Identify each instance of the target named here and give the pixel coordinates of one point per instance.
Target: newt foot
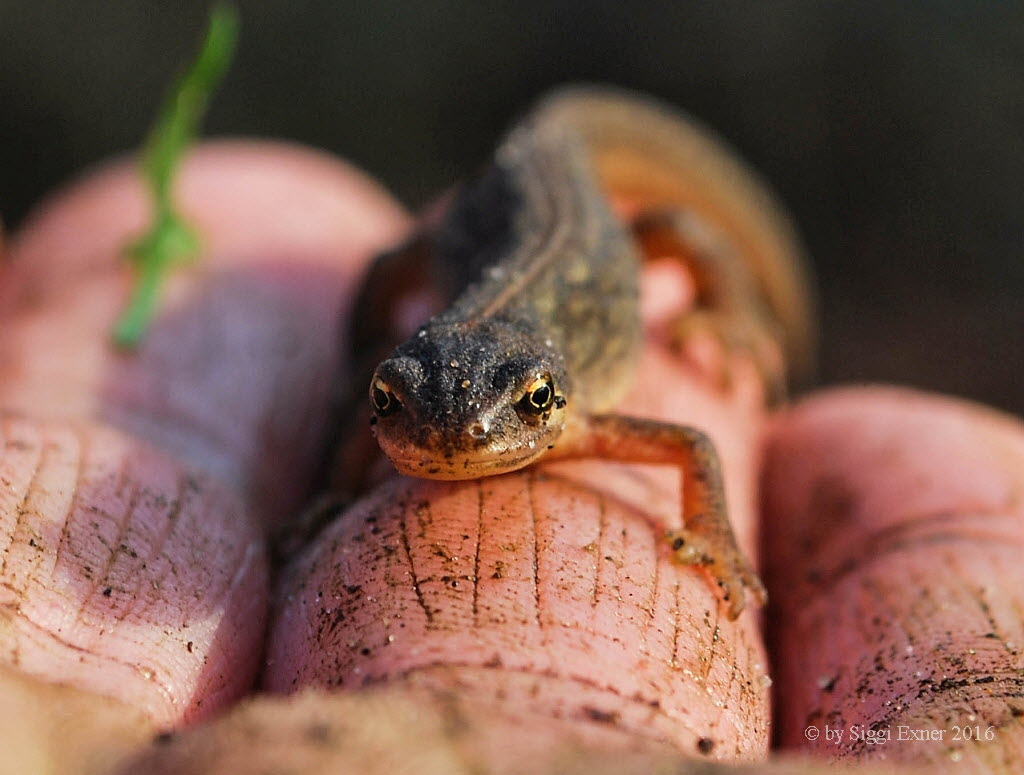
(727, 567)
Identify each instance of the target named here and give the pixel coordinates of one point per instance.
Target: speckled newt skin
(542, 330)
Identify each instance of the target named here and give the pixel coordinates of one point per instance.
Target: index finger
(546, 593)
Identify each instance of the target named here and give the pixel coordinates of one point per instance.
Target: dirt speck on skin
(601, 716)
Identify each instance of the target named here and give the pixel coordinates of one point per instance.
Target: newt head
(459, 401)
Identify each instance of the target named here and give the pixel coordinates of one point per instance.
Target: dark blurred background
(894, 131)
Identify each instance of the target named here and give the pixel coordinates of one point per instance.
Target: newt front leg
(706, 538)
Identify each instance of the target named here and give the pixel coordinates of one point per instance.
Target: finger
(241, 352)
(895, 526)
(546, 593)
(124, 573)
(237, 372)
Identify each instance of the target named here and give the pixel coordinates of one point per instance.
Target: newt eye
(384, 400)
(539, 396)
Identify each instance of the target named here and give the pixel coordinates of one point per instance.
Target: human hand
(531, 611)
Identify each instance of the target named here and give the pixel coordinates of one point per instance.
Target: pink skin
(566, 621)
(124, 573)
(895, 527)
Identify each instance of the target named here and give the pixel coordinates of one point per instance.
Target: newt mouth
(436, 466)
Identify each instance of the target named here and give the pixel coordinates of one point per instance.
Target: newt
(540, 338)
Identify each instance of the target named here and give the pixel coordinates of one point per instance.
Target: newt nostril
(478, 430)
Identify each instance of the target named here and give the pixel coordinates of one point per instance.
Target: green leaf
(170, 240)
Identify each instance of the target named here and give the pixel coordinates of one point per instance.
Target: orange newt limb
(706, 539)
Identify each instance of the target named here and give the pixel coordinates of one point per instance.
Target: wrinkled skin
(135, 492)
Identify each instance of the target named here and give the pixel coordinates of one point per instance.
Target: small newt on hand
(542, 334)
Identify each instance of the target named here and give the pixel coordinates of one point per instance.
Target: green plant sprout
(170, 240)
